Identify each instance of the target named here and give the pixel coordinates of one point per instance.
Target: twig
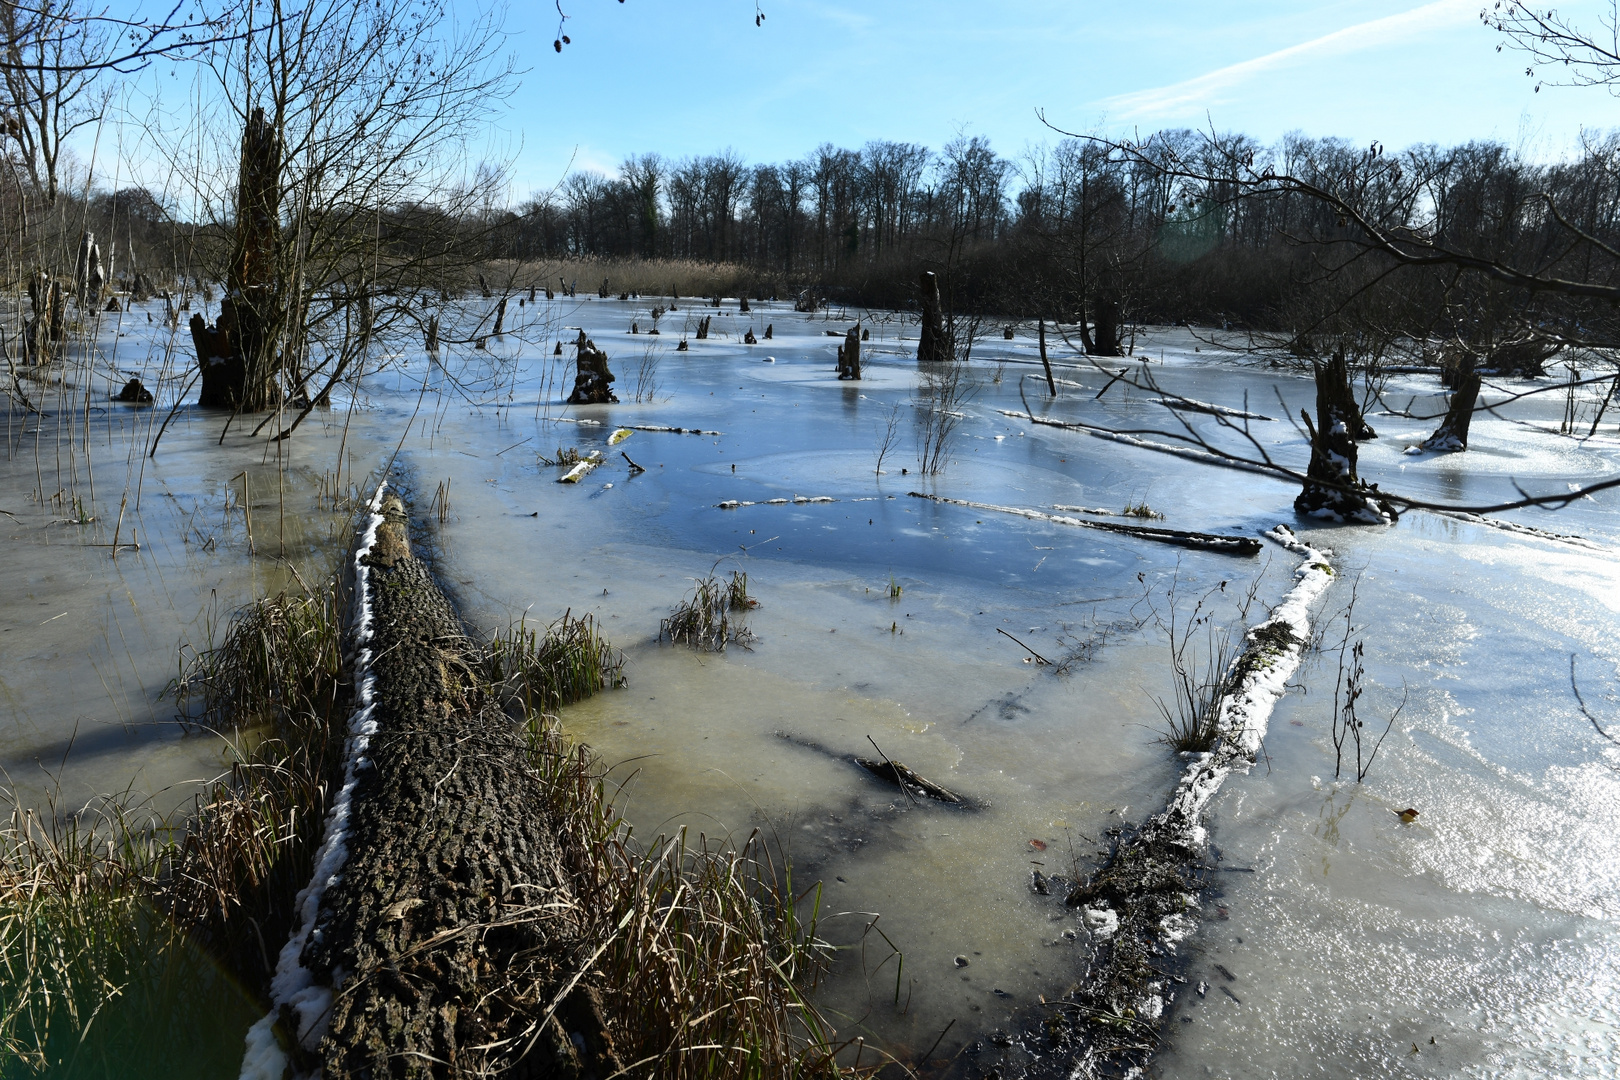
(1021, 645)
(1584, 710)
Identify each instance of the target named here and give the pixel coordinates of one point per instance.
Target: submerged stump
(1332, 488)
(1452, 434)
(592, 379)
(932, 344)
(849, 354)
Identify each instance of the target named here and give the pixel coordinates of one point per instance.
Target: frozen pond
(1488, 925)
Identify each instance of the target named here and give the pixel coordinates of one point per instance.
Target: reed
(704, 619)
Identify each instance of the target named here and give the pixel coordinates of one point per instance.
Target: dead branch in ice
(1231, 545)
(797, 500)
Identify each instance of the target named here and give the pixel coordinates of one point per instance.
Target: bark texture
(1332, 488)
(932, 344)
(592, 379)
(449, 936)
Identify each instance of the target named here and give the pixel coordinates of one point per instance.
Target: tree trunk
(240, 356)
(1051, 384)
(1105, 335)
(592, 379)
(1332, 489)
(1452, 434)
(849, 355)
(932, 344)
(451, 929)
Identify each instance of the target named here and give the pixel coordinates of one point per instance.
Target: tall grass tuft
(708, 952)
(704, 619)
(126, 935)
(543, 670)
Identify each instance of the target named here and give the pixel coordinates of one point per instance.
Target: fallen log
(907, 780)
(439, 935)
(1229, 545)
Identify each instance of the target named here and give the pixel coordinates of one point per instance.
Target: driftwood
(907, 781)
(932, 344)
(1230, 545)
(449, 931)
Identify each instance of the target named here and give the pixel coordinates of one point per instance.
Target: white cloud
(1197, 93)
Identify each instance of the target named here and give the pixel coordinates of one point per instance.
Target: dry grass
(689, 278)
(704, 619)
(544, 670)
(132, 944)
(708, 953)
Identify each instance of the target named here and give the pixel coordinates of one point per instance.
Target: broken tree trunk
(932, 344)
(907, 781)
(47, 330)
(88, 276)
(449, 934)
(1345, 405)
(1452, 434)
(703, 327)
(592, 379)
(849, 354)
(1051, 384)
(500, 316)
(1105, 331)
(1332, 489)
(239, 356)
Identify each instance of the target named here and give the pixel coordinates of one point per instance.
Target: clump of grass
(704, 619)
(126, 935)
(710, 952)
(894, 588)
(566, 458)
(546, 669)
(1141, 510)
(280, 660)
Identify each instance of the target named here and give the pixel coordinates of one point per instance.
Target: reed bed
(646, 278)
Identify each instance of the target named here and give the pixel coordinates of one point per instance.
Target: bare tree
(349, 184)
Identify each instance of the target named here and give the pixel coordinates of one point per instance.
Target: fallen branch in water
(1231, 545)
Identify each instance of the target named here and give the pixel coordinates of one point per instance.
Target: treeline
(1172, 228)
(1179, 227)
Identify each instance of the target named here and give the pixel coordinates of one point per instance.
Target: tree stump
(88, 276)
(703, 327)
(1452, 434)
(432, 335)
(680, 346)
(849, 355)
(224, 374)
(749, 338)
(742, 306)
(48, 328)
(483, 288)
(500, 316)
(768, 328)
(1332, 489)
(1007, 333)
(932, 345)
(134, 393)
(1105, 328)
(592, 379)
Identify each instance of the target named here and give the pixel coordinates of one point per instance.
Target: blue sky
(682, 77)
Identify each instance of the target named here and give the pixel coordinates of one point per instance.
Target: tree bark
(451, 927)
(932, 344)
